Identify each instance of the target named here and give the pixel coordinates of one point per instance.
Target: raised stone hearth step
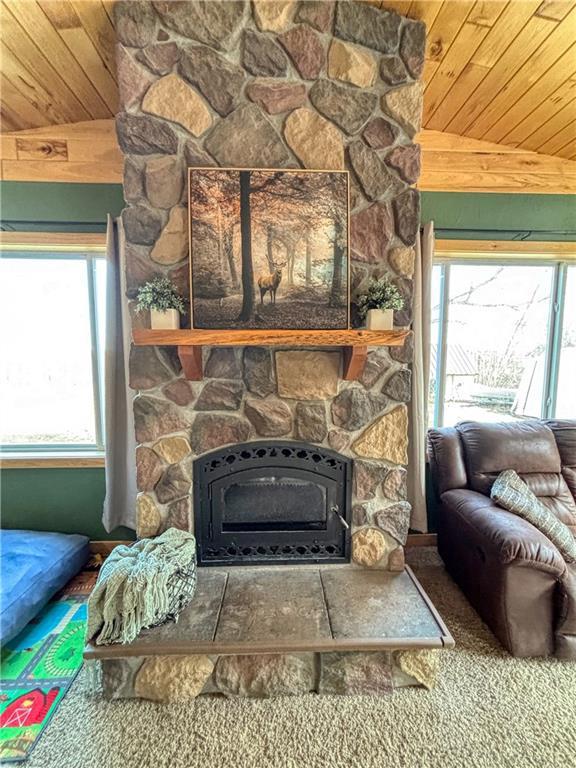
(284, 631)
(293, 610)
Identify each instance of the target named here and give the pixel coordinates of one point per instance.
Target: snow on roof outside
(458, 361)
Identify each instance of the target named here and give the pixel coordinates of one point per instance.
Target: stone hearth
(284, 631)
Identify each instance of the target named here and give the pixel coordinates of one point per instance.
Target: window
(52, 309)
(503, 341)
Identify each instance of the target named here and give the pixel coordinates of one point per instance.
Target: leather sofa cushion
(512, 493)
(527, 447)
(566, 619)
(510, 538)
(553, 492)
(447, 458)
(565, 435)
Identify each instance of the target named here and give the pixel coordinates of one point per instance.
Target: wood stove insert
(269, 502)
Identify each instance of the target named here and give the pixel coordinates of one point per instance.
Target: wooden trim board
(421, 540)
(85, 152)
(452, 163)
(51, 240)
(88, 152)
(52, 462)
(105, 547)
(556, 251)
(272, 337)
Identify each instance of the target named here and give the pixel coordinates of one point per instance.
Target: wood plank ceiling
(499, 70)
(57, 62)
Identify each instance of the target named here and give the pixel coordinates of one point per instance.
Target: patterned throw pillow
(512, 493)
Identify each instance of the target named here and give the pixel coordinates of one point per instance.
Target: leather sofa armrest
(510, 538)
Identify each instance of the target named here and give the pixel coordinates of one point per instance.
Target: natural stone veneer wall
(318, 85)
(180, 678)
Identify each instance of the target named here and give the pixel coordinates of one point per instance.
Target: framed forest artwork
(269, 248)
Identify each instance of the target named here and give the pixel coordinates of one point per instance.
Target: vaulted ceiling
(499, 70)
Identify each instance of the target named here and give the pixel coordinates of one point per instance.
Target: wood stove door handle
(336, 511)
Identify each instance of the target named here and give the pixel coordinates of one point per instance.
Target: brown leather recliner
(510, 572)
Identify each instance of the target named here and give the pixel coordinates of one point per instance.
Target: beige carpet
(489, 711)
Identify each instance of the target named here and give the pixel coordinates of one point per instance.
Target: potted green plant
(378, 303)
(164, 302)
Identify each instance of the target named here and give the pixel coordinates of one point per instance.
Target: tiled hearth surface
(288, 609)
(259, 631)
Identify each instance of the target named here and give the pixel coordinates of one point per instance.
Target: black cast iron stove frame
(304, 463)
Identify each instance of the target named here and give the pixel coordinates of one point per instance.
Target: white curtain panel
(418, 422)
(120, 501)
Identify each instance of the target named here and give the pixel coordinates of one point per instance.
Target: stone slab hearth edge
(316, 85)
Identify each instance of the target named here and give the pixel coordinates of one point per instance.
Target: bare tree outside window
(497, 333)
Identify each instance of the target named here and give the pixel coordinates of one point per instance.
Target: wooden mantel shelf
(355, 344)
(252, 338)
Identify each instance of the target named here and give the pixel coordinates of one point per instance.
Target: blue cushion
(34, 565)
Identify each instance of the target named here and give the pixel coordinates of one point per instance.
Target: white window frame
(555, 319)
(88, 248)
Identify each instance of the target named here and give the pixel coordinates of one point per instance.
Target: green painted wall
(26, 205)
(47, 207)
(500, 217)
(70, 500)
(64, 500)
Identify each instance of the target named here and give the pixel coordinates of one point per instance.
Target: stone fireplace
(318, 85)
(273, 458)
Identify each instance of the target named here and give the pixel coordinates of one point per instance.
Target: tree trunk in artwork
(220, 243)
(308, 259)
(229, 250)
(290, 262)
(336, 291)
(246, 249)
(269, 249)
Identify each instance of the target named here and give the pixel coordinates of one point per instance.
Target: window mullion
(554, 342)
(441, 346)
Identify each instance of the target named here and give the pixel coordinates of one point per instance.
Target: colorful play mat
(36, 670)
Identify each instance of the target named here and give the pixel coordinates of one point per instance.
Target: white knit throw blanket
(131, 592)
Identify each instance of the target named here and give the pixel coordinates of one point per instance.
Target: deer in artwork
(270, 283)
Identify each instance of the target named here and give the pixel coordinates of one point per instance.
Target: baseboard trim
(422, 540)
(105, 547)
